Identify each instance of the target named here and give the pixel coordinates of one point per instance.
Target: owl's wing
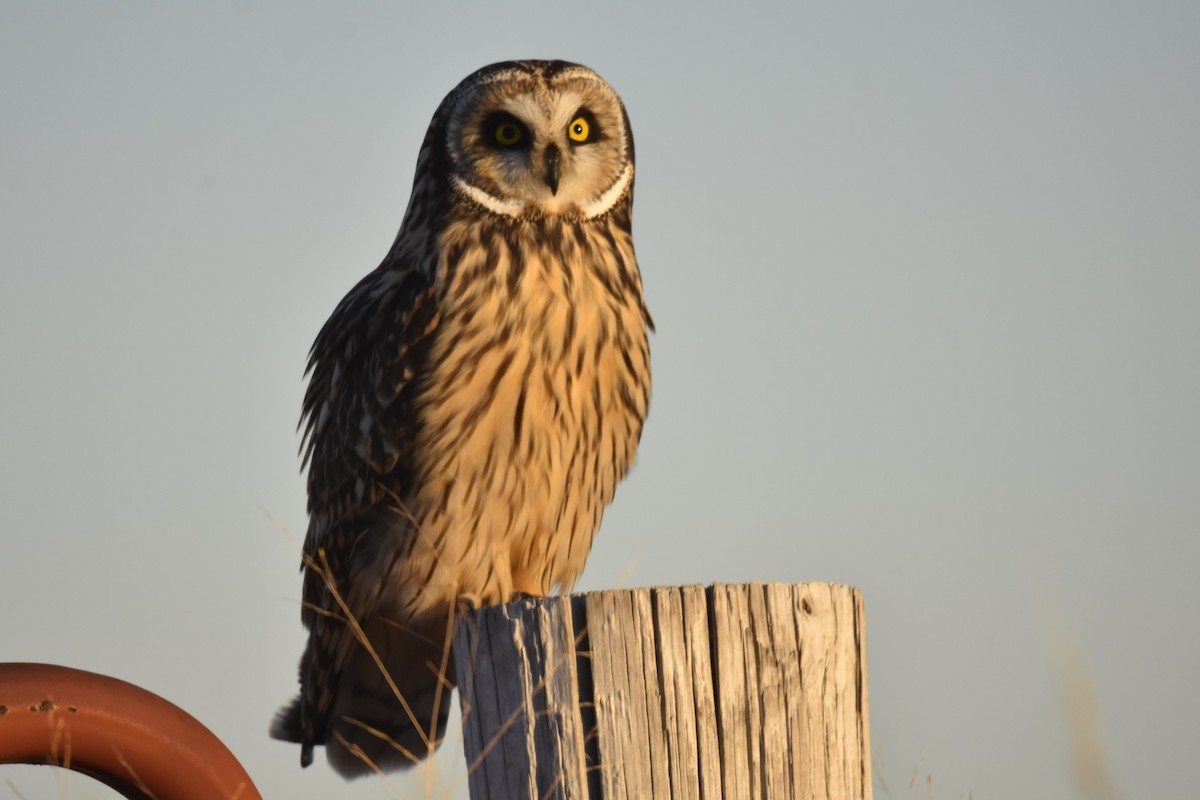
(359, 426)
(358, 417)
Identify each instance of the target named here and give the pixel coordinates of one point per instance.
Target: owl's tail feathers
(373, 723)
(286, 727)
(381, 722)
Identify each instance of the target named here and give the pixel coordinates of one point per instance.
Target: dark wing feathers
(358, 413)
(358, 419)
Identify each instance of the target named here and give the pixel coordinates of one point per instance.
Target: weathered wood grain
(751, 691)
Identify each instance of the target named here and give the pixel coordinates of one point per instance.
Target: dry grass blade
(137, 781)
(320, 566)
(12, 787)
(357, 752)
(1082, 715)
(322, 570)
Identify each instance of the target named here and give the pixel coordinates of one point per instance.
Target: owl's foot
(468, 604)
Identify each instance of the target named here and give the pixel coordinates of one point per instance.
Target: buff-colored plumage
(472, 404)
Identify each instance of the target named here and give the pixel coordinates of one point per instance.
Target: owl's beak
(552, 167)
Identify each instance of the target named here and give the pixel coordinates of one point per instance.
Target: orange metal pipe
(122, 735)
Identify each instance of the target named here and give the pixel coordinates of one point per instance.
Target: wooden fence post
(755, 691)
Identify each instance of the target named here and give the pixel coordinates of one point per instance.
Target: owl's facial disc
(528, 146)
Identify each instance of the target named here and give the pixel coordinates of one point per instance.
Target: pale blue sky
(927, 285)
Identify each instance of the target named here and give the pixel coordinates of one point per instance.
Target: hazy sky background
(927, 285)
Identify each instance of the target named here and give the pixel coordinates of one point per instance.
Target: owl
(471, 405)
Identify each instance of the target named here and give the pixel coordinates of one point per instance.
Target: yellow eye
(508, 133)
(579, 130)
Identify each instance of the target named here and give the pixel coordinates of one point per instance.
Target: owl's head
(538, 138)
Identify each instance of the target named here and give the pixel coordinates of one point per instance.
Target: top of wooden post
(727, 691)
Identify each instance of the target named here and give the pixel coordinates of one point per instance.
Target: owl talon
(468, 604)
